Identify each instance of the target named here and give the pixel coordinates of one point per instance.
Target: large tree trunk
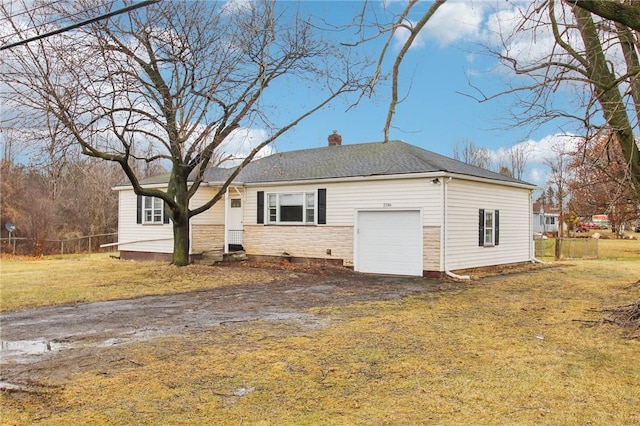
(181, 243)
(179, 214)
(608, 94)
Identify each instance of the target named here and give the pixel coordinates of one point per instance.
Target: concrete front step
(235, 256)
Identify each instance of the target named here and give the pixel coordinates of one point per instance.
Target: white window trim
(153, 209)
(277, 196)
(491, 234)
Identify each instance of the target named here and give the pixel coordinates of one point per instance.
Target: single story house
(384, 207)
(545, 220)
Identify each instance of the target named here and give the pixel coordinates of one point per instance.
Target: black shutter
(260, 218)
(481, 228)
(165, 214)
(497, 227)
(322, 206)
(139, 210)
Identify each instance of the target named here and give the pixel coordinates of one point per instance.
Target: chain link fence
(568, 248)
(83, 244)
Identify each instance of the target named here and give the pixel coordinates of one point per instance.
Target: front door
(234, 223)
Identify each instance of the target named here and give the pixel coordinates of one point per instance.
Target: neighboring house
(545, 219)
(388, 208)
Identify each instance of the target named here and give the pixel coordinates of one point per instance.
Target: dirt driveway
(53, 342)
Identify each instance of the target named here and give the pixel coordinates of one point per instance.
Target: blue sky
(436, 73)
(435, 113)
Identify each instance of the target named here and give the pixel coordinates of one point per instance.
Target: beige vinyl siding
(207, 228)
(138, 237)
(213, 216)
(464, 199)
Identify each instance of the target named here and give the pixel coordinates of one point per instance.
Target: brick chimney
(335, 139)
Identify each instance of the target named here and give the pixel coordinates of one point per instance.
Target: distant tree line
(70, 201)
(51, 192)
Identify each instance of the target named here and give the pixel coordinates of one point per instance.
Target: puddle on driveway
(15, 350)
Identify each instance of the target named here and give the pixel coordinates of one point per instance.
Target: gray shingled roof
(365, 159)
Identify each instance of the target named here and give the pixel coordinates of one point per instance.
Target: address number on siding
(386, 204)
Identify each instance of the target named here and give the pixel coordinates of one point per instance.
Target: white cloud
(455, 21)
(237, 6)
(241, 142)
(498, 25)
(537, 176)
(452, 22)
(550, 146)
(547, 148)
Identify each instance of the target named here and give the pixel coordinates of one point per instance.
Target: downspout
(190, 232)
(444, 233)
(226, 218)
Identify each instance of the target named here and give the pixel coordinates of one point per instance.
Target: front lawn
(523, 349)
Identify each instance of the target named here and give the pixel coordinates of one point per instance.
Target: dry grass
(28, 282)
(500, 351)
(619, 249)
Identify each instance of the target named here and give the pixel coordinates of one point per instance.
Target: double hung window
(489, 227)
(150, 210)
(153, 210)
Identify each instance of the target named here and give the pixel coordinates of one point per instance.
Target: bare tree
(592, 56)
(518, 157)
(627, 14)
(87, 204)
(174, 81)
(513, 161)
(599, 182)
(558, 182)
(390, 28)
(470, 153)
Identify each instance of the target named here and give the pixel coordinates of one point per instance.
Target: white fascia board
(130, 187)
(349, 179)
(165, 184)
(492, 181)
(427, 175)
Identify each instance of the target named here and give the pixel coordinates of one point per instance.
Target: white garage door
(389, 242)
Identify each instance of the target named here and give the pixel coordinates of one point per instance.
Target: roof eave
(417, 175)
(519, 184)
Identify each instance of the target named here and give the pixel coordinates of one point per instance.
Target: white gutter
(428, 175)
(443, 232)
(147, 186)
(456, 276)
(420, 175)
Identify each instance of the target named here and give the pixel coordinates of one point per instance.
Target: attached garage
(389, 242)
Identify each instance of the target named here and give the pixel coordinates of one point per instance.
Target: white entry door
(389, 242)
(234, 221)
